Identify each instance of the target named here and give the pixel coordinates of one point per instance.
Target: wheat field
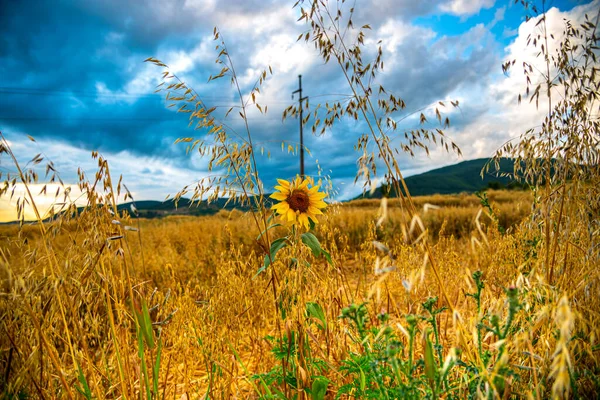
(107, 306)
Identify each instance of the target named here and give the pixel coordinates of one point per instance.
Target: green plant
(492, 366)
(485, 203)
(291, 351)
(382, 369)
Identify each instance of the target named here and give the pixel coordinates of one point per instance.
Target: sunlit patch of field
(67, 296)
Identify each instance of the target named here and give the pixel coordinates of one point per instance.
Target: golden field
(94, 307)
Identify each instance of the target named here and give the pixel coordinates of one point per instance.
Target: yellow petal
(318, 203)
(283, 183)
(278, 196)
(303, 220)
(283, 189)
(291, 215)
(317, 196)
(303, 184)
(314, 220)
(314, 210)
(281, 208)
(314, 189)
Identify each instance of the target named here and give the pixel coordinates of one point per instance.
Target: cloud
(498, 17)
(465, 8)
(507, 32)
(147, 177)
(503, 118)
(78, 80)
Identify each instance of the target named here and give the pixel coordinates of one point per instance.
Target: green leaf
(327, 256)
(429, 362)
(319, 388)
(277, 245)
(268, 228)
(146, 325)
(156, 369)
(84, 389)
(140, 338)
(312, 243)
(314, 310)
(363, 380)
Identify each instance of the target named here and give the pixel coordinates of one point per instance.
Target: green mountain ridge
(156, 209)
(458, 178)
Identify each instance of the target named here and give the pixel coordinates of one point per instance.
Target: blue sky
(72, 76)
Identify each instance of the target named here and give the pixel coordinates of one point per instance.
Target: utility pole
(300, 100)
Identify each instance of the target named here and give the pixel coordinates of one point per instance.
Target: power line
(81, 93)
(29, 91)
(110, 119)
(83, 119)
(15, 90)
(59, 93)
(41, 92)
(117, 96)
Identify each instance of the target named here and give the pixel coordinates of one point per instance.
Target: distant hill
(154, 209)
(462, 177)
(158, 209)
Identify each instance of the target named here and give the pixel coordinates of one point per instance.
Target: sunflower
(297, 202)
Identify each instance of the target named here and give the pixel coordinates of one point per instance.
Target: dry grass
(66, 300)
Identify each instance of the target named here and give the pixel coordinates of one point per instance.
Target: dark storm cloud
(51, 62)
(53, 58)
(56, 48)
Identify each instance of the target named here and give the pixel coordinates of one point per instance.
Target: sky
(72, 76)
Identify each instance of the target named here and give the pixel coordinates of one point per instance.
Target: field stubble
(67, 295)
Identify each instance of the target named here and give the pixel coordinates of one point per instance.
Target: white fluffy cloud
(506, 119)
(465, 8)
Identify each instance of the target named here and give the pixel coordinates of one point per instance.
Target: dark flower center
(298, 201)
